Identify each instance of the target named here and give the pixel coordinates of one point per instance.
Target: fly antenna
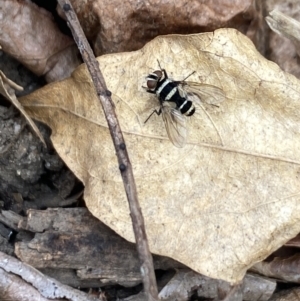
(159, 65)
(188, 76)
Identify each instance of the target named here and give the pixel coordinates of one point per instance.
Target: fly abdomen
(186, 107)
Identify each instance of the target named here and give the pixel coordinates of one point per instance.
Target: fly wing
(207, 93)
(175, 124)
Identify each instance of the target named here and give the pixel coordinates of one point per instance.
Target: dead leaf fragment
(29, 34)
(287, 295)
(117, 25)
(226, 200)
(181, 286)
(7, 88)
(286, 269)
(294, 242)
(285, 25)
(282, 50)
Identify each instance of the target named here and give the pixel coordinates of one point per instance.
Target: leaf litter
(7, 89)
(226, 200)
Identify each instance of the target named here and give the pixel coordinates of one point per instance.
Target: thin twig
(45, 286)
(125, 167)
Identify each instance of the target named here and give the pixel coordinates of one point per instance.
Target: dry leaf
(286, 269)
(29, 34)
(282, 50)
(138, 22)
(294, 242)
(184, 282)
(284, 25)
(227, 199)
(291, 294)
(7, 89)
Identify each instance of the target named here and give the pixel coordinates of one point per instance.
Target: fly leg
(156, 112)
(149, 91)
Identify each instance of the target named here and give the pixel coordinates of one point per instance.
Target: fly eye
(151, 84)
(158, 73)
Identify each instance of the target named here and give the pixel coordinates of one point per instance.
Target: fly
(176, 103)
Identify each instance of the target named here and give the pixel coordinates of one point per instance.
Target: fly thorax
(162, 85)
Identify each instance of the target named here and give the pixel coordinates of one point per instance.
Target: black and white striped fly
(177, 101)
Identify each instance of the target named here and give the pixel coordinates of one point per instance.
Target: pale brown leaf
(226, 200)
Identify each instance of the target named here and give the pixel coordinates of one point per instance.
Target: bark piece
(74, 239)
(5, 246)
(70, 277)
(10, 219)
